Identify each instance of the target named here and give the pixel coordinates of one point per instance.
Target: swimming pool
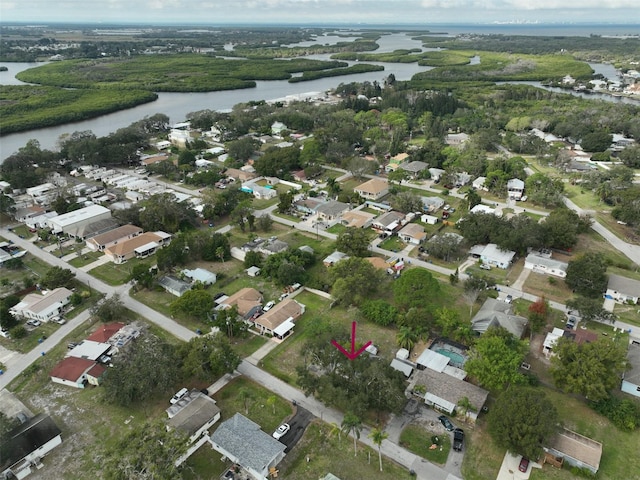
(455, 357)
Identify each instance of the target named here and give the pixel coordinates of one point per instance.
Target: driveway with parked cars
(297, 425)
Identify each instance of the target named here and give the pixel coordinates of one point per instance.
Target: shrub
(623, 413)
(18, 332)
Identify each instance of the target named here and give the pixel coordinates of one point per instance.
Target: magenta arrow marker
(354, 353)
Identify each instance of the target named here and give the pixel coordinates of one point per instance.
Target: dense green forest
(170, 73)
(360, 68)
(24, 107)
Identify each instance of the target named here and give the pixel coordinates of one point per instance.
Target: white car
(178, 396)
(281, 431)
(268, 306)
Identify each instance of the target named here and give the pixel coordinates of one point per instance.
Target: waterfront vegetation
(25, 107)
(336, 72)
(170, 73)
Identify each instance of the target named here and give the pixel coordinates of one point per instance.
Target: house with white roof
(479, 184)
(70, 222)
(43, 307)
(515, 188)
(201, 275)
(546, 265)
(482, 208)
(491, 254)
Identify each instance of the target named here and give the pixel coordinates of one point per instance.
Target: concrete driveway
(509, 468)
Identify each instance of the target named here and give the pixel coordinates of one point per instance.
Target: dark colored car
(446, 422)
(458, 439)
(524, 465)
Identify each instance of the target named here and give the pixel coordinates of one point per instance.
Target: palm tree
(335, 430)
(406, 337)
(352, 423)
(465, 406)
(473, 198)
(378, 436)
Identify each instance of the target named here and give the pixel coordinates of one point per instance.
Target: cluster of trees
(587, 275)
(192, 246)
(560, 229)
(358, 385)
(161, 211)
(288, 267)
(155, 367)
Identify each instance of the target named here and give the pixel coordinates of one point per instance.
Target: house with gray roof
(623, 289)
(515, 188)
(495, 313)
(388, 222)
(576, 450)
(331, 210)
(245, 444)
(414, 168)
(271, 247)
(431, 204)
(545, 265)
(444, 392)
(194, 414)
(631, 378)
(174, 285)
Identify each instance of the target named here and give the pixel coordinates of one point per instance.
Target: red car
(524, 464)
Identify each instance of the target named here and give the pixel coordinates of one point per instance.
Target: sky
(300, 12)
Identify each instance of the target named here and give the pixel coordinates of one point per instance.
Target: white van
(178, 396)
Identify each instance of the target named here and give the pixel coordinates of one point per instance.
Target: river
(178, 105)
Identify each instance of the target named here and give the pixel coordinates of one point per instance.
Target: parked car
(524, 465)
(283, 296)
(59, 320)
(34, 323)
(508, 299)
(281, 431)
(571, 322)
(484, 266)
(268, 306)
(446, 423)
(72, 345)
(181, 393)
(458, 439)
(5, 333)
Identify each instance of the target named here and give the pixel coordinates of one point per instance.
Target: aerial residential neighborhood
(361, 284)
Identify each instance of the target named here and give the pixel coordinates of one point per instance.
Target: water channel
(178, 105)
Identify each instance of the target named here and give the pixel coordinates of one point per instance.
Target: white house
(75, 372)
(27, 444)
(482, 208)
(412, 233)
(70, 222)
(515, 188)
(631, 377)
(373, 189)
(112, 237)
(546, 265)
(429, 219)
(479, 184)
(491, 254)
(200, 275)
(43, 307)
(550, 341)
(623, 289)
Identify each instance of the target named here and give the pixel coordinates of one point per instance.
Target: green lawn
(393, 244)
(417, 439)
(160, 301)
(548, 286)
(116, 274)
(85, 259)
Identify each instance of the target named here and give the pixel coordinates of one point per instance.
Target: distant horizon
(322, 12)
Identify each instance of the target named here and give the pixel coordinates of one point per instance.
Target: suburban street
(17, 362)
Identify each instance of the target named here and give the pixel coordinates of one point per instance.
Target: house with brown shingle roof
(140, 246)
(112, 237)
(247, 300)
(373, 189)
(412, 233)
(357, 219)
(279, 321)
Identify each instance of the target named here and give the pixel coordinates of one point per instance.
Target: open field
(417, 440)
(542, 286)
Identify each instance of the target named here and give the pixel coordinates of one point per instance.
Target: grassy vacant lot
(619, 458)
(417, 439)
(593, 242)
(116, 274)
(85, 259)
(552, 288)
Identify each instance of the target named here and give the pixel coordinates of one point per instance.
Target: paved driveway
(298, 423)
(509, 469)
